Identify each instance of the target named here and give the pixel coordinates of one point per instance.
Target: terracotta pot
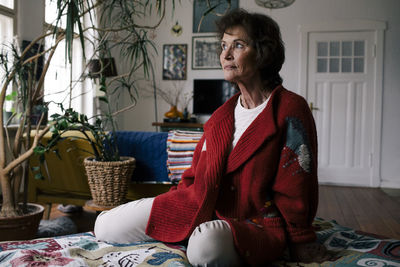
(108, 181)
(22, 227)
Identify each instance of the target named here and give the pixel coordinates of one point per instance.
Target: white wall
(301, 12)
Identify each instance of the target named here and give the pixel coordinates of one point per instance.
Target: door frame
(378, 27)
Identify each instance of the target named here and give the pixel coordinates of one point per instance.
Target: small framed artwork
(205, 13)
(205, 52)
(174, 61)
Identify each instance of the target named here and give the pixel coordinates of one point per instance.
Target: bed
(347, 247)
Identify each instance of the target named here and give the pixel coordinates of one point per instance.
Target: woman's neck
(252, 95)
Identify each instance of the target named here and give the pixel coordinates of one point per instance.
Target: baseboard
(344, 182)
(390, 184)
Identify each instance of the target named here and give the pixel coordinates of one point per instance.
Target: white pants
(210, 244)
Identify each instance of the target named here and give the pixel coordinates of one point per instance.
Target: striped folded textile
(180, 148)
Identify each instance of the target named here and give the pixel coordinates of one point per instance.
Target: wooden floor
(366, 209)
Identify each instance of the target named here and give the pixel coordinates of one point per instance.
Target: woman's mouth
(229, 67)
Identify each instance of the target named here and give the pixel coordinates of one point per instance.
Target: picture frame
(174, 62)
(203, 24)
(204, 52)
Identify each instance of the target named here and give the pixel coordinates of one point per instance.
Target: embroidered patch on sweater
(296, 140)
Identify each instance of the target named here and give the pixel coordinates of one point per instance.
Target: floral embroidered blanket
(346, 246)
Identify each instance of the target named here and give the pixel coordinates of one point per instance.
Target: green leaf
(55, 116)
(83, 118)
(39, 150)
(63, 124)
(104, 99)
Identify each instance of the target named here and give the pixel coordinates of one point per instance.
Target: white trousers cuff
(126, 223)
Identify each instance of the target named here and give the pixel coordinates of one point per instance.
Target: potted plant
(117, 28)
(108, 173)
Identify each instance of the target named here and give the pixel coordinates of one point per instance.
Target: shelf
(167, 126)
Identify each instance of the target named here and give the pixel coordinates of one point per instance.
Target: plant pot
(108, 181)
(22, 227)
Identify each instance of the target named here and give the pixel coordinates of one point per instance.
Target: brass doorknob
(312, 107)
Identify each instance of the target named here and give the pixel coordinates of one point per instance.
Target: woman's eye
(239, 45)
(224, 46)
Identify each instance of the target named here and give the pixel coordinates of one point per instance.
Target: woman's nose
(228, 53)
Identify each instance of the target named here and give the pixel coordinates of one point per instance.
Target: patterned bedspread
(346, 246)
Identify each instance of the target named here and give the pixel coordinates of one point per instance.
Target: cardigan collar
(219, 129)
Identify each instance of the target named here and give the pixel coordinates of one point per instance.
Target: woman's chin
(229, 78)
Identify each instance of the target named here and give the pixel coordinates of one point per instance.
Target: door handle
(312, 107)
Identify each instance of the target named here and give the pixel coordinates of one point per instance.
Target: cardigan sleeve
(296, 183)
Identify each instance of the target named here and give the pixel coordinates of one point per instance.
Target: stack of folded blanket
(180, 149)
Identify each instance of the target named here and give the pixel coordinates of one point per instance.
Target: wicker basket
(108, 181)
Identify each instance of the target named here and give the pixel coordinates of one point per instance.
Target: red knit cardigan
(266, 188)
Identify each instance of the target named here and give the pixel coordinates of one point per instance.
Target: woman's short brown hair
(265, 37)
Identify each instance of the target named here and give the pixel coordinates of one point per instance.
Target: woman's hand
(309, 252)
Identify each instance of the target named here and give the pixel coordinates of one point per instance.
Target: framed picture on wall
(205, 52)
(174, 61)
(206, 12)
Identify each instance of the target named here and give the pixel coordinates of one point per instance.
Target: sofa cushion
(150, 151)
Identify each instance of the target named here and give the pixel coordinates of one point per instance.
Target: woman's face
(238, 56)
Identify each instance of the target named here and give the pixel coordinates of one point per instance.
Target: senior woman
(252, 189)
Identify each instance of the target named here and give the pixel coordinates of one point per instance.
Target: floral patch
(38, 244)
(40, 258)
(296, 141)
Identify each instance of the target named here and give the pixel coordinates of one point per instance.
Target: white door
(340, 89)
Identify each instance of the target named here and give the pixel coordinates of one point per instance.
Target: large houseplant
(118, 17)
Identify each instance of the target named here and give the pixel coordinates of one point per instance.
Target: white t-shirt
(244, 117)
